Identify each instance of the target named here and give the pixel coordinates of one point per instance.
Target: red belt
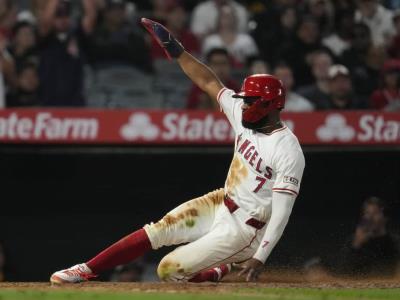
(232, 207)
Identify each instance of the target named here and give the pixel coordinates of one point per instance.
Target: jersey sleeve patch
(289, 172)
(291, 180)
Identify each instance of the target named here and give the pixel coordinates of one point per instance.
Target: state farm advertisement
(88, 126)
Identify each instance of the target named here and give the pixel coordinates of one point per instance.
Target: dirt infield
(229, 285)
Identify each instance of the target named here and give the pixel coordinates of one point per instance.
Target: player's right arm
(198, 72)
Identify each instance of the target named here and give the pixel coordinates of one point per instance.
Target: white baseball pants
(214, 237)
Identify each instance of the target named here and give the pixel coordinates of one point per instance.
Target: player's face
(248, 102)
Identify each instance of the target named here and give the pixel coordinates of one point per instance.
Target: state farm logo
(46, 126)
(140, 126)
(335, 128)
(180, 127)
(378, 128)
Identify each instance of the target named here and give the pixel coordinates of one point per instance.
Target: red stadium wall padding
(184, 127)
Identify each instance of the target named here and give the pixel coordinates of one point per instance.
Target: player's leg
(227, 242)
(185, 223)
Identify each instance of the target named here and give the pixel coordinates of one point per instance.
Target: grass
(245, 294)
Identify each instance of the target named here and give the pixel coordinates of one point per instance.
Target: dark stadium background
(60, 205)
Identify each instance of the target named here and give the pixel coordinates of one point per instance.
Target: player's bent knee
(170, 270)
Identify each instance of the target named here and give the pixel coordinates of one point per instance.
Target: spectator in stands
(8, 14)
(344, 5)
(27, 87)
(388, 96)
(218, 60)
(294, 102)
(145, 5)
(377, 18)
(160, 10)
(318, 91)
(7, 65)
(275, 27)
(372, 250)
(240, 46)
(24, 44)
(394, 46)
(341, 94)
(297, 53)
(7, 70)
(61, 61)
(176, 23)
(256, 65)
(115, 40)
(322, 12)
(364, 70)
(340, 40)
(205, 16)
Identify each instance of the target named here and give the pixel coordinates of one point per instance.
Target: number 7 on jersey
(262, 181)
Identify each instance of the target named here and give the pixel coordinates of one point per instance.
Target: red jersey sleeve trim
(220, 93)
(285, 190)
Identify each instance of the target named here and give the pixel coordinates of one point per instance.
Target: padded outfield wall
(60, 205)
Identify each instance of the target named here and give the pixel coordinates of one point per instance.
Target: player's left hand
(252, 269)
(172, 47)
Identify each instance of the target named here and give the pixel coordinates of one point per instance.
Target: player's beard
(264, 121)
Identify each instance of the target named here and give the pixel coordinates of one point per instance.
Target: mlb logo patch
(291, 180)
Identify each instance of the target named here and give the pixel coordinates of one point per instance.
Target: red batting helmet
(267, 93)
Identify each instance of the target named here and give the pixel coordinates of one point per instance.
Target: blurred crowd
(342, 54)
(372, 250)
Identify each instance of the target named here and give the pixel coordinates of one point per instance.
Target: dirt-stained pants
(215, 237)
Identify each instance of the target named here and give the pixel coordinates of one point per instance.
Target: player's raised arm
(198, 72)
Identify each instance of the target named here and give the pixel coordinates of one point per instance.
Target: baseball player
(241, 222)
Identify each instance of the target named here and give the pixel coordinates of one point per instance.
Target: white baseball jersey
(262, 163)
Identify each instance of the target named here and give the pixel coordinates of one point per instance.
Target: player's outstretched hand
(252, 269)
(172, 47)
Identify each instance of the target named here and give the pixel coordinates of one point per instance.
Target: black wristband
(174, 48)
